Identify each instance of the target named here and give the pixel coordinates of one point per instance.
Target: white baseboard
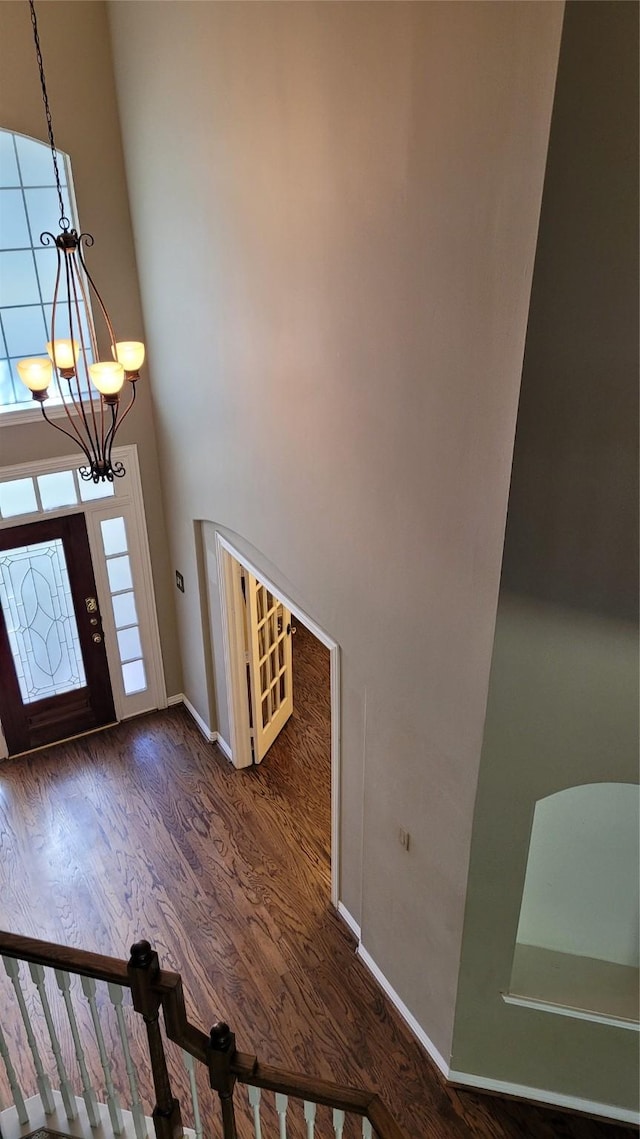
(543, 1097)
(209, 735)
(406, 1015)
(224, 746)
(349, 920)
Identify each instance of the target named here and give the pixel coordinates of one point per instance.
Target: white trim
(406, 1015)
(575, 1013)
(224, 551)
(233, 645)
(224, 746)
(349, 920)
(544, 1097)
(210, 736)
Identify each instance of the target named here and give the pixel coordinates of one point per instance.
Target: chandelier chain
(64, 221)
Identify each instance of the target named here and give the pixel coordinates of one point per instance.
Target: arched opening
(577, 940)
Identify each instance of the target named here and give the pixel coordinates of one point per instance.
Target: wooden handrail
(243, 1066)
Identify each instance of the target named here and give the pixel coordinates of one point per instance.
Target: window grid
(12, 392)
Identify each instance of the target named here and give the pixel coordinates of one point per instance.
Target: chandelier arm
(72, 272)
(110, 436)
(46, 239)
(128, 407)
(74, 439)
(88, 240)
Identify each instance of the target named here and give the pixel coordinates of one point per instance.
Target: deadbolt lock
(93, 621)
(96, 638)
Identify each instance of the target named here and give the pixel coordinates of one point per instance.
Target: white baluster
(191, 1069)
(310, 1118)
(113, 1103)
(68, 1098)
(88, 1093)
(254, 1103)
(12, 969)
(367, 1129)
(282, 1102)
(139, 1122)
(338, 1122)
(16, 1090)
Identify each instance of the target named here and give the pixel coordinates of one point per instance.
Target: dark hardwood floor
(145, 830)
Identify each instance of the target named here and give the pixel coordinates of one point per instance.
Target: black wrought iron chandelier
(89, 389)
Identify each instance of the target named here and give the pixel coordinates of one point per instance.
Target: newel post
(220, 1053)
(143, 968)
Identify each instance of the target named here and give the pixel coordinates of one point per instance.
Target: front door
(54, 677)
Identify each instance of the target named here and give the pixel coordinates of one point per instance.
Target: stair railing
(154, 990)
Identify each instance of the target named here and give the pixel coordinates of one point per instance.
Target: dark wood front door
(54, 676)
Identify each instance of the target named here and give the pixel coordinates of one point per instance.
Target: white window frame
(127, 502)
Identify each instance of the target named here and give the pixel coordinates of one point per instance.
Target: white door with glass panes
(269, 663)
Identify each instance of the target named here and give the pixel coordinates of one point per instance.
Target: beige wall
(562, 708)
(335, 209)
(77, 54)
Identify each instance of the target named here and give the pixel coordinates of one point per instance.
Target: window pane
(114, 536)
(18, 282)
(43, 211)
(8, 166)
(57, 490)
(89, 490)
(25, 331)
(17, 497)
(119, 570)
(36, 163)
(129, 644)
(124, 609)
(133, 676)
(47, 266)
(14, 232)
(36, 599)
(7, 395)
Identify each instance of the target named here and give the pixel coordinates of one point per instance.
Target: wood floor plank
(147, 831)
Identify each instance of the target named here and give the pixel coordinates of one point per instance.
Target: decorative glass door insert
(54, 675)
(35, 594)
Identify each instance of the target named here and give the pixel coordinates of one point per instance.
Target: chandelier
(88, 388)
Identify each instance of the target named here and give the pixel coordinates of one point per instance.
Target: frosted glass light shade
(35, 373)
(64, 353)
(107, 377)
(130, 353)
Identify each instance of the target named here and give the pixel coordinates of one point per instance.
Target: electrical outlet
(180, 581)
(404, 838)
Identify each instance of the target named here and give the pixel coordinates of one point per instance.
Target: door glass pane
(124, 609)
(35, 595)
(129, 643)
(133, 676)
(17, 497)
(92, 490)
(57, 489)
(119, 570)
(114, 536)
